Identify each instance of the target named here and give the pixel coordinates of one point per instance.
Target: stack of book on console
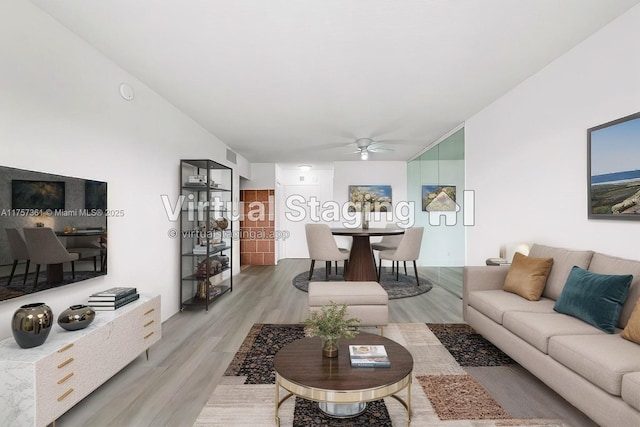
(368, 356)
(113, 298)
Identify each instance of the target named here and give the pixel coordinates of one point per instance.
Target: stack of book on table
(368, 356)
(113, 298)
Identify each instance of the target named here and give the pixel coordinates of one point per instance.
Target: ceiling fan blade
(380, 150)
(399, 141)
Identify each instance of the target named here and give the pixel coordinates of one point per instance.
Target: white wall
(369, 172)
(526, 154)
(61, 112)
(294, 189)
(263, 177)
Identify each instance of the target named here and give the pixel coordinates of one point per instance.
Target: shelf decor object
(76, 317)
(31, 324)
(206, 232)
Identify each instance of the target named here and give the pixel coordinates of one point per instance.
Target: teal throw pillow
(594, 298)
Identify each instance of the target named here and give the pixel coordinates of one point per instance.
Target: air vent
(231, 156)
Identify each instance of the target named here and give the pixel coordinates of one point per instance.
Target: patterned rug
(404, 287)
(17, 288)
(254, 361)
(468, 347)
(442, 392)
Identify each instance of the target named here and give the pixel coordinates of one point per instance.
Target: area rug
(468, 347)
(442, 392)
(17, 288)
(8, 293)
(254, 362)
(404, 287)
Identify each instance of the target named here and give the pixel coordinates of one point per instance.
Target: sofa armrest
(481, 278)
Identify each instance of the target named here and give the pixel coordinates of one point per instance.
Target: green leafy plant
(331, 323)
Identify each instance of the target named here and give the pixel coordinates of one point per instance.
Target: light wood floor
(171, 388)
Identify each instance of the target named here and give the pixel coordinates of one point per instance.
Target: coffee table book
(368, 356)
(113, 305)
(112, 294)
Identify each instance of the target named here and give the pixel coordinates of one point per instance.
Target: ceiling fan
(368, 145)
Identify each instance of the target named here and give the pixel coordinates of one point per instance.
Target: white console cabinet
(39, 384)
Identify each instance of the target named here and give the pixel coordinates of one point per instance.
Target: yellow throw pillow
(527, 276)
(631, 332)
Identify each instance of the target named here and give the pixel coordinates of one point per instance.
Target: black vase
(76, 317)
(31, 324)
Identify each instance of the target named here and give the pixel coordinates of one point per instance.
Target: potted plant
(331, 323)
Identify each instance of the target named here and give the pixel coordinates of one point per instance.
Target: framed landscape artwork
(613, 169)
(439, 198)
(377, 197)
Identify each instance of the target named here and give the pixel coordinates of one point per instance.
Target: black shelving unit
(206, 232)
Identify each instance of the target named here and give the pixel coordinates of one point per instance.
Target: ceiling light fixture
(364, 153)
(304, 167)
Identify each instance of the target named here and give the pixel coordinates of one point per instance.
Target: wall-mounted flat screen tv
(613, 169)
(74, 209)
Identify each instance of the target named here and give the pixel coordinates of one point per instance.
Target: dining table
(362, 267)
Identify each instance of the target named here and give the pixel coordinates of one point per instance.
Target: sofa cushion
(631, 332)
(595, 298)
(527, 276)
(605, 264)
(495, 303)
(631, 389)
(563, 261)
(538, 328)
(602, 359)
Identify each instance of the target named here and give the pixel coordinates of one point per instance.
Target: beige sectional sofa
(596, 371)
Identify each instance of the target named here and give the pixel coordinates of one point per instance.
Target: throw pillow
(527, 276)
(594, 298)
(631, 332)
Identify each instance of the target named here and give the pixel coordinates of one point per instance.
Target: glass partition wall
(436, 187)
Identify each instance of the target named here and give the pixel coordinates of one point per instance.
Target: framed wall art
(95, 195)
(613, 169)
(37, 194)
(376, 198)
(439, 198)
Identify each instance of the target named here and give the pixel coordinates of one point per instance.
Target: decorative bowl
(76, 317)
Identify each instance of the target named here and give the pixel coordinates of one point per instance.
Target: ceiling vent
(231, 156)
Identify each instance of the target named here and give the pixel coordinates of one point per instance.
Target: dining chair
(323, 247)
(388, 242)
(408, 250)
(18, 250)
(86, 247)
(44, 247)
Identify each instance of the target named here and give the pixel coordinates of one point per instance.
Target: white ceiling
(295, 81)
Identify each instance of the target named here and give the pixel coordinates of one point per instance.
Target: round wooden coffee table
(341, 390)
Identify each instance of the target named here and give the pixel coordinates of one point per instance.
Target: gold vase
(330, 347)
(203, 288)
